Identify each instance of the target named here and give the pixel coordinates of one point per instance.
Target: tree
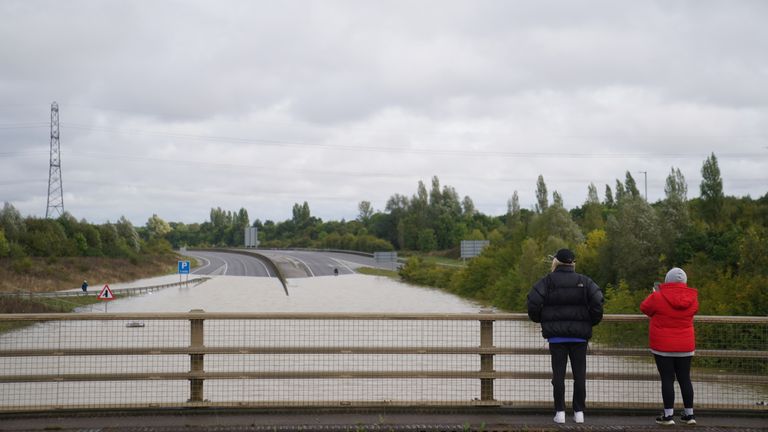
(426, 241)
(126, 230)
(533, 264)
(675, 220)
(45, 238)
(557, 199)
(11, 222)
(711, 190)
(5, 247)
(609, 202)
(435, 197)
(301, 214)
(513, 211)
(592, 194)
(542, 200)
(157, 227)
(634, 243)
(556, 222)
(620, 192)
(365, 211)
(242, 220)
(630, 186)
(468, 206)
(675, 188)
(593, 211)
(398, 207)
(513, 204)
(588, 254)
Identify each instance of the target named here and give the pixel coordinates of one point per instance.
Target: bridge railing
(198, 359)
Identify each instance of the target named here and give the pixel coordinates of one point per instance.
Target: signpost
(184, 269)
(106, 295)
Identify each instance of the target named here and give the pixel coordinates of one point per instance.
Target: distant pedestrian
(568, 305)
(84, 286)
(335, 272)
(671, 307)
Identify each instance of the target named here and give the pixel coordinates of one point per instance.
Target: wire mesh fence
(75, 361)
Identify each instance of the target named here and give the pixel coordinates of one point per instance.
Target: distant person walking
(568, 305)
(671, 308)
(84, 286)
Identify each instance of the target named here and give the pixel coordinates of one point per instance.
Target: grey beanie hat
(676, 275)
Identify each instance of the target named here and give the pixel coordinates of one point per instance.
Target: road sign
(251, 237)
(386, 258)
(106, 294)
(472, 248)
(183, 267)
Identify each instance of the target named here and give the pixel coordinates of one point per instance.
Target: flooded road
(348, 293)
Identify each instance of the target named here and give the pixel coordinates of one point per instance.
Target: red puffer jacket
(671, 309)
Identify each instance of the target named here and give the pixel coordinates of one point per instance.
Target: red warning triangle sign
(106, 294)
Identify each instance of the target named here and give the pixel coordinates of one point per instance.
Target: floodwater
(342, 294)
(348, 293)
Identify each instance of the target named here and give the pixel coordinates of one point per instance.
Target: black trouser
(577, 351)
(669, 368)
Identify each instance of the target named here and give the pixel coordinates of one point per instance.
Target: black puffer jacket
(566, 303)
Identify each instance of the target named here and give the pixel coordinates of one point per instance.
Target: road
(292, 263)
(229, 264)
(316, 263)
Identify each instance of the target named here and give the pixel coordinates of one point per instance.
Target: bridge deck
(366, 420)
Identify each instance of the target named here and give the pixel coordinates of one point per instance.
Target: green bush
(21, 265)
(421, 272)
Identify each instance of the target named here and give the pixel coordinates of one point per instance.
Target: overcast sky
(175, 107)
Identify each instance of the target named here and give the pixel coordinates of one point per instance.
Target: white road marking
(341, 263)
(291, 257)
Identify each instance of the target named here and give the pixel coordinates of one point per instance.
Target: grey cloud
(218, 86)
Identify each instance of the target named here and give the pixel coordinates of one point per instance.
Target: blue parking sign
(183, 267)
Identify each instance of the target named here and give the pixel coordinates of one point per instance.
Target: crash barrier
(127, 292)
(197, 359)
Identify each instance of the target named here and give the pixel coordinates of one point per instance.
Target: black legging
(577, 352)
(669, 368)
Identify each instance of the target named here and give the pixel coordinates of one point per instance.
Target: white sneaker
(578, 416)
(560, 417)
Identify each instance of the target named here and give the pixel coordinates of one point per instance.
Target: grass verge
(55, 274)
(378, 272)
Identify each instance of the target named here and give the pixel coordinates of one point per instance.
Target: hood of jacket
(679, 295)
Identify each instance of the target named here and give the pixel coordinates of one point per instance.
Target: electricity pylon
(55, 187)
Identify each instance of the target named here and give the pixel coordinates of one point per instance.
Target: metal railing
(198, 359)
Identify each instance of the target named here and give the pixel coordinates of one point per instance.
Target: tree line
(622, 241)
(24, 237)
(625, 244)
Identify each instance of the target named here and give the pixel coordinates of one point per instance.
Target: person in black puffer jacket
(568, 305)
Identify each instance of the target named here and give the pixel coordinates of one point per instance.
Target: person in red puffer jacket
(671, 307)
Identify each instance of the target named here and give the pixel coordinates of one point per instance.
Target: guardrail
(198, 359)
(128, 292)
